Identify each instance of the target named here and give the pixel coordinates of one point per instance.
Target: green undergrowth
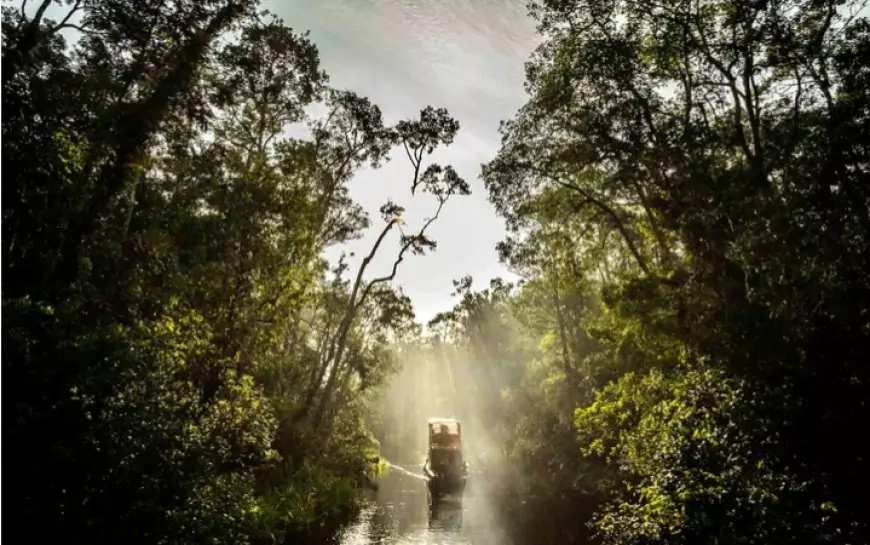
(316, 499)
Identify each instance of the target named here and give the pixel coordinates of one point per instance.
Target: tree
(711, 142)
(166, 308)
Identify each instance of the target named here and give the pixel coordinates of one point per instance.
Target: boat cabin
(445, 433)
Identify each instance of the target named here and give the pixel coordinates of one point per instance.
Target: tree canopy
(683, 358)
(688, 210)
(186, 366)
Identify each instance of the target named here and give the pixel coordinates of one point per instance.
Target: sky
(465, 55)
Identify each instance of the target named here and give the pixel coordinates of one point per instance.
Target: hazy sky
(466, 55)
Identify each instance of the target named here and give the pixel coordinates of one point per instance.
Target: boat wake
(402, 470)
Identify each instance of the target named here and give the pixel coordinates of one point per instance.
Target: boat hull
(440, 486)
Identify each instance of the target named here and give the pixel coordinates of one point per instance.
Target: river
(399, 512)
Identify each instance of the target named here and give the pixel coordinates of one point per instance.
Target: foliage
(686, 199)
(681, 361)
(187, 368)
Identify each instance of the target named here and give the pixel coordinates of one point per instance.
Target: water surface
(400, 512)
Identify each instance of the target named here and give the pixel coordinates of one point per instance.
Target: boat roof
(443, 421)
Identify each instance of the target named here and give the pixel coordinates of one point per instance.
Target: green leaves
(269, 65)
(670, 162)
(433, 128)
(175, 332)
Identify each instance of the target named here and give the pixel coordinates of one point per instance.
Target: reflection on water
(400, 513)
(445, 517)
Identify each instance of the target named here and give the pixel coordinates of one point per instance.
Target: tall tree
(717, 144)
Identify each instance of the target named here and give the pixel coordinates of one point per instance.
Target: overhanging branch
(401, 257)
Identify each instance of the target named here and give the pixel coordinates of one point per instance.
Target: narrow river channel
(399, 512)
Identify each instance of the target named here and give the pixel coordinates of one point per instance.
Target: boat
(445, 470)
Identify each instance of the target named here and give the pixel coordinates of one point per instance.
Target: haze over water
(467, 56)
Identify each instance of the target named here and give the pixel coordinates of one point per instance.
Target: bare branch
(416, 160)
(77, 28)
(65, 22)
(40, 12)
(408, 244)
(368, 259)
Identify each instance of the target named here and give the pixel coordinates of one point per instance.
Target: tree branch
(617, 221)
(401, 257)
(40, 12)
(63, 24)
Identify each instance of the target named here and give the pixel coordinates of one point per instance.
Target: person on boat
(428, 472)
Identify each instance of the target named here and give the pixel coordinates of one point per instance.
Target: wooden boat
(445, 470)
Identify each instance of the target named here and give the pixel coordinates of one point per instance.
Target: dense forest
(688, 210)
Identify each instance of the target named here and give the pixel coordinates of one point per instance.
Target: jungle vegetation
(684, 358)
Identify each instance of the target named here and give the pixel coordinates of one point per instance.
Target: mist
(439, 379)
